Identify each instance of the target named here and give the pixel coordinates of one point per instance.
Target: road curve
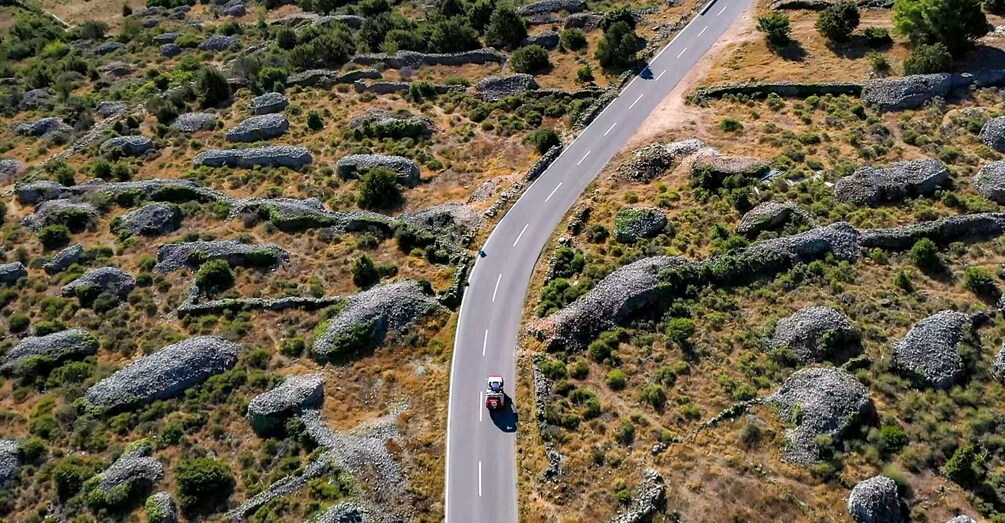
(481, 449)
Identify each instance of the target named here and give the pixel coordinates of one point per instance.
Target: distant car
(495, 398)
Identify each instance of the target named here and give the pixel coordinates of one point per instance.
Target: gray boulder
(711, 163)
(990, 181)
(875, 500)
(633, 223)
(42, 127)
(260, 127)
(908, 92)
(345, 512)
(171, 50)
(174, 256)
(271, 409)
(108, 48)
(352, 166)
(819, 402)
(993, 133)
(110, 280)
(9, 168)
(166, 38)
(289, 156)
(64, 259)
(52, 348)
(547, 39)
(155, 219)
(128, 145)
(368, 316)
(164, 373)
(9, 462)
(40, 191)
(931, 349)
(75, 216)
(218, 42)
(234, 10)
(768, 216)
(192, 122)
(12, 272)
(161, 508)
(269, 103)
(136, 471)
(814, 334)
(117, 69)
(380, 123)
(652, 161)
(872, 186)
(998, 368)
(584, 21)
(495, 87)
(552, 6)
(35, 99)
(108, 109)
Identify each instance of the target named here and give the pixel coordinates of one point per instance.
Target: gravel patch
(875, 500)
(931, 349)
(260, 127)
(155, 219)
(352, 166)
(289, 156)
(173, 256)
(872, 186)
(634, 223)
(164, 373)
(271, 409)
(52, 348)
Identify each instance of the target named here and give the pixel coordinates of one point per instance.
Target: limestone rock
(42, 127)
(9, 462)
(193, 122)
(769, 216)
(269, 103)
(155, 219)
(993, 133)
(875, 500)
(110, 280)
(908, 92)
(64, 259)
(271, 409)
(9, 168)
(815, 334)
(930, 350)
(289, 156)
(260, 127)
(352, 166)
(219, 42)
(872, 186)
(990, 181)
(174, 256)
(53, 348)
(10, 273)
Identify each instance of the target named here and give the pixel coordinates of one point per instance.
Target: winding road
(481, 449)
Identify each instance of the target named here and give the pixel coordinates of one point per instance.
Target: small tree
(506, 28)
(286, 38)
(202, 483)
(544, 139)
(584, 75)
(837, 22)
(364, 272)
(480, 14)
(378, 189)
(314, 122)
(777, 29)
(574, 39)
(530, 59)
(996, 7)
(215, 276)
(618, 48)
(954, 23)
(212, 87)
(54, 236)
(927, 59)
(925, 255)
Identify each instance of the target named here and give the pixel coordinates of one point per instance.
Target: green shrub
(19, 322)
(584, 75)
(877, 36)
(980, 281)
(777, 29)
(903, 281)
(544, 139)
(364, 272)
(619, 47)
(530, 59)
(654, 395)
(730, 125)
(70, 474)
(573, 39)
(506, 28)
(838, 22)
(679, 331)
(215, 276)
(955, 24)
(965, 467)
(314, 122)
(927, 59)
(996, 7)
(893, 438)
(925, 255)
(616, 379)
(212, 87)
(202, 483)
(625, 433)
(379, 189)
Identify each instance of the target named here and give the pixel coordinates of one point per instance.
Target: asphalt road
(481, 449)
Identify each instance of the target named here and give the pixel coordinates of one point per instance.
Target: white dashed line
(479, 479)
(520, 236)
(682, 53)
(611, 129)
(499, 279)
(636, 101)
(485, 342)
(703, 31)
(553, 191)
(723, 9)
(661, 75)
(584, 157)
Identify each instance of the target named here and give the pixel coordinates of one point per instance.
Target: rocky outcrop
(345, 512)
(76, 216)
(552, 6)
(103, 280)
(873, 186)
(42, 127)
(385, 124)
(260, 127)
(366, 318)
(173, 256)
(547, 39)
(769, 216)
(352, 166)
(270, 410)
(326, 78)
(993, 133)
(35, 99)
(290, 156)
(292, 214)
(453, 222)
(414, 60)
(269, 103)
(9, 461)
(998, 367)
(783, 89)
(875, 500)
(128, 145)
(990, 181)
(164, 373)
(50, 349)
(815, 334)
(931, 349)
(10, 273)
(219, 42)
(134, 473)
(819, 402)
(652, 161)
(39, 191)
(717, 167)
(10, 168)
(161, 508)
(493, 88)
(155, 219)
(634, 223)
(650, 497)
(584, 21)
(108, 109)
(64, 259)
(942, 231)
(194, 122)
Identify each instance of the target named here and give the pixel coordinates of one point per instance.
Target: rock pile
(990, 181)
(108, 280)
(194, 122)
(326, 78)
(10, 273)
(289, 156)
(293, 214)
(155, 219)
(942, 231)
(76, 216)
(872, 186)
(51, 348)
(269, 103)
(9, 462)
(998, 368)
(908, 92)
(161, 508)
(648, 499)
(64, 259)
(547, 39)
(819, 402)
(271, 409)
(218, 42)
(166, 38)
(769, 216)
(136, 471)
(260, 127)
(352, 166)
(414, 60)
(39, 191)
(10, 168)
(493, 88)
(962, 519)
(815, 334)
(552, 6)
(633, 223)
(128, 145)
(454, 222)
(379, 122)
(875, 500)
(117, 68)
(164, 373)
(173, 256)
(710, 163)
(345, 512)
(42, 127)
(585, 21)
(993, 133)
(35, 99)
(109, 109)
(368, 316)
(931, 349)
(651, 161)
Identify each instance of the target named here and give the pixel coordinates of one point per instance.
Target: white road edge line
(479, 479)
(611, 129)
(584, 157)
(703, 31)
(636, 101)
(485, 342)
(723, 9)
(661, 75)
(553, 191)
(518, 239)
(499, 279)
(682, 53)
(633, 81)
(480, 409)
